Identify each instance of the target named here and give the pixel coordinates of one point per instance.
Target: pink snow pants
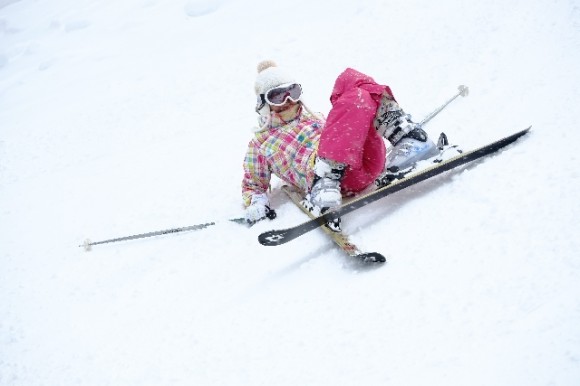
(349, 135)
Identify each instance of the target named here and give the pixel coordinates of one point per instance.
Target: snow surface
(123, 117)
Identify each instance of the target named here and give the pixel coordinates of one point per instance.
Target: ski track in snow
(120, 118)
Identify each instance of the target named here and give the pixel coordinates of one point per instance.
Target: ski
(339, 238)
(282, 236)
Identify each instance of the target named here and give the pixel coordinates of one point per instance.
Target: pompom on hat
(270, 76)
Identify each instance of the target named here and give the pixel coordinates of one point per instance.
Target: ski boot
(413, 148)
(325, 192)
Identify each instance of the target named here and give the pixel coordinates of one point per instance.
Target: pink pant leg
(349, 137)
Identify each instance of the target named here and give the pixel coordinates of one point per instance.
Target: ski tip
(372, 257)
(272, 238)
(520, 133)
(525, 131)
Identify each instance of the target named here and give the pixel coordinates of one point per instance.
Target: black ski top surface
(282, 236)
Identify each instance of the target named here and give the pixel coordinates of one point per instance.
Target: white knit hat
(270, 76)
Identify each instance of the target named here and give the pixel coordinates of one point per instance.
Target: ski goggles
(277, 96)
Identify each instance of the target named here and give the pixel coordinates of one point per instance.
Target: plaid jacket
(286, 148)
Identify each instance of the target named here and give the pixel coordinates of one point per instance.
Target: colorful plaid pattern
(286, 149)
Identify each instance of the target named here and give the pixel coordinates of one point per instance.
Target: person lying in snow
(326, 159)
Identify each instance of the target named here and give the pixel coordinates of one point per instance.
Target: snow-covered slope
(123, 117)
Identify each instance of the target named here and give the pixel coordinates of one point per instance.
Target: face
(285, 106)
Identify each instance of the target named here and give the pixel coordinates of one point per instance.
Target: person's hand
(258, 208)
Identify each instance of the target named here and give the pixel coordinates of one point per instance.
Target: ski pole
(462, 91)
(88, 244)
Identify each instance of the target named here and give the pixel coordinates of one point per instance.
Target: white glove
(258, 208)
